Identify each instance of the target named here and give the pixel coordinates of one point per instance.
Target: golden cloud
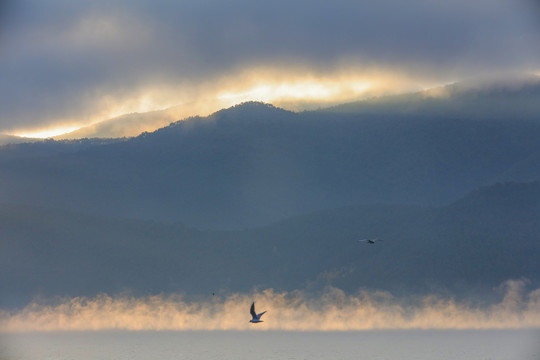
(334, 310)
(295, 88)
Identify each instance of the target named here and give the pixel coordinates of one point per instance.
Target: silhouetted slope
(10, 139)
(494, 99)
(255, 164)
(48, 253)
(468, 247)
(45, 148)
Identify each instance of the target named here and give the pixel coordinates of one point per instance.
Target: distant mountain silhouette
(43, 148)
(489, 99)
(466, 248)
(482, 98)
(448, 179)
(10, 139)
(255, 164)
(127, 125)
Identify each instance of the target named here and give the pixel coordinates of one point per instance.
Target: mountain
(254, 164)
(513, 98)
(254, 196)
(483, 98)
(466, 249)
(127, 125)
(47, 147)
(133, 124)
(10, 139)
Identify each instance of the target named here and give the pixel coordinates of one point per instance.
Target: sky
(67, 64)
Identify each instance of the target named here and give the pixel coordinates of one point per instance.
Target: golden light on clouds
(46, 133)
(298, 88)
(332, 311)
(304, 90)
(107, 109)
(294, 88)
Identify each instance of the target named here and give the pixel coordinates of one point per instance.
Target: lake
(237, 345)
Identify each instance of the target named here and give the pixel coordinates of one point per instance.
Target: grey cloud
(53, 67)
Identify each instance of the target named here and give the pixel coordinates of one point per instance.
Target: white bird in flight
(256, 318)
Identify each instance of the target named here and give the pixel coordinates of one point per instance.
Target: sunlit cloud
(333, 310)
(294, 88)
(298, 88)
(109, 107)
(81, 63)
(46, 133)
(308, 90)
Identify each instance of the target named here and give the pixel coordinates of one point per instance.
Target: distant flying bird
(370, 241)
(256, 318)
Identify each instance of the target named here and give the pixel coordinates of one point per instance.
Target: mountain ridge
(466, 248)
(153, 120)
(254, 164)
(481, 99)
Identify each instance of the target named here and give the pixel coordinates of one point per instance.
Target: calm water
(376, 345)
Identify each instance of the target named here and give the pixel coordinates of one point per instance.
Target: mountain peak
(249, 108)
(253, 105)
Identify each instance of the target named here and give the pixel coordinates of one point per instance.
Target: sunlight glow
(299, 88)
(309, 90)
(295, 88)
(46, 133)
(334, 310)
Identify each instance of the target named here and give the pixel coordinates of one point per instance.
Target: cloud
(78, 62)
(332, 310)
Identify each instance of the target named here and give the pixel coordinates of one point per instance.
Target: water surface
(238, 345)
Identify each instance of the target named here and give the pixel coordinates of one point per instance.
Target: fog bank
(333, 310)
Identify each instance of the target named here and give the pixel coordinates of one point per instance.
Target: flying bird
(256, 318)
(370, 241)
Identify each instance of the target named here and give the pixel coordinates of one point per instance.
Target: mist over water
(333, 310)
(298, 325)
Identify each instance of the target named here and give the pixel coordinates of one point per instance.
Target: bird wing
(261, 314)
(252, 311)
